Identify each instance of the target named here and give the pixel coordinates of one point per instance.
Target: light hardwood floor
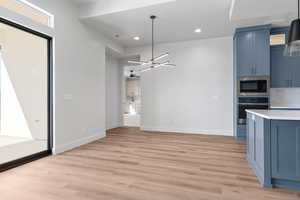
(134, 165)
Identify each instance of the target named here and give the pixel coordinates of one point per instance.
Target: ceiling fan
(154, 61)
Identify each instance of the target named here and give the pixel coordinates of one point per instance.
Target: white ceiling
(84, 1)
(177, 19)
(277, 12)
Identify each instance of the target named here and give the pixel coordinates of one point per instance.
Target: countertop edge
(258, 114)
(289, 118)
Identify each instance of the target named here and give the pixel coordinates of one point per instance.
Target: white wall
(79, 62)
(79, 74)
(113, 92)
(196, 96)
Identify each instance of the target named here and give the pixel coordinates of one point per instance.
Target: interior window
(24, 8)
(277, 39)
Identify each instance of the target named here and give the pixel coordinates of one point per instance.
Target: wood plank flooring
(134, 165)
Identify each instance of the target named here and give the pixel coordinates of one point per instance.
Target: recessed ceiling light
(198, 30)
(136, 38)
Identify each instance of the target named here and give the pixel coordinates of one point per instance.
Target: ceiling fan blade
(137, 62)
(164, 63)
(157, 65)
(161, 56)
(160, 65)
(146, 69)
(171, 65)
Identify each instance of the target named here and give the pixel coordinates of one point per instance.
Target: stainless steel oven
(248, 103)
(254, 86)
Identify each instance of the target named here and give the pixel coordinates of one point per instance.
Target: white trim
(115, 125)
(25, 21)
(51, 16)
(188, 131)
(77, 143)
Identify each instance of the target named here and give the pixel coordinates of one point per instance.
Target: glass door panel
(23, 94)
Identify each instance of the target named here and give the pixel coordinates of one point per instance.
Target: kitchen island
(273, 147)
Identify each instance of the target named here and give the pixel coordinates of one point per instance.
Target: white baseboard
(116, 125)
(189, 131)
(77, 143)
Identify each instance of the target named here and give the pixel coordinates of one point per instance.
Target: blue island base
(273, 151)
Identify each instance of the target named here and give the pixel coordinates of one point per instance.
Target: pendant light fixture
(293, 46)
(154, 61)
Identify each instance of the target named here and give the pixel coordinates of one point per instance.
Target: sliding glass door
(24, 93)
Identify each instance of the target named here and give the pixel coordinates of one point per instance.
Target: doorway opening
(25, 94)
(132, 97)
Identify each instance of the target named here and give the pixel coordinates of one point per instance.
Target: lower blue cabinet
(257, 148)
(285, 143)
(273, 151)
(241, 133)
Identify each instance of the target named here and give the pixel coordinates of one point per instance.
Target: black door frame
(48, 152)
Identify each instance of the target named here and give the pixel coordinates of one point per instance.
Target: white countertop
(277, 114)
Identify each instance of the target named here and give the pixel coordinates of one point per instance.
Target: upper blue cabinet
(243, 55)
(281, 70)
(285, 70)
(252, 51)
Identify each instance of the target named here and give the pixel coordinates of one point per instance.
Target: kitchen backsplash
(285, 97)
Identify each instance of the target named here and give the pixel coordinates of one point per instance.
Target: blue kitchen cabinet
(285, 70)
(241, 132)
(250, 137)
(281, 68)
(295, 71)
(253, 51)
(285, 143)
(256, 147)
(243, 57)
(251, 59)
(261, 52)
(273, 151)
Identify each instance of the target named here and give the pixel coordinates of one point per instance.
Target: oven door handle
(258, 104)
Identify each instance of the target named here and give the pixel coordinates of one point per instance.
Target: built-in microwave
(254, 86)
